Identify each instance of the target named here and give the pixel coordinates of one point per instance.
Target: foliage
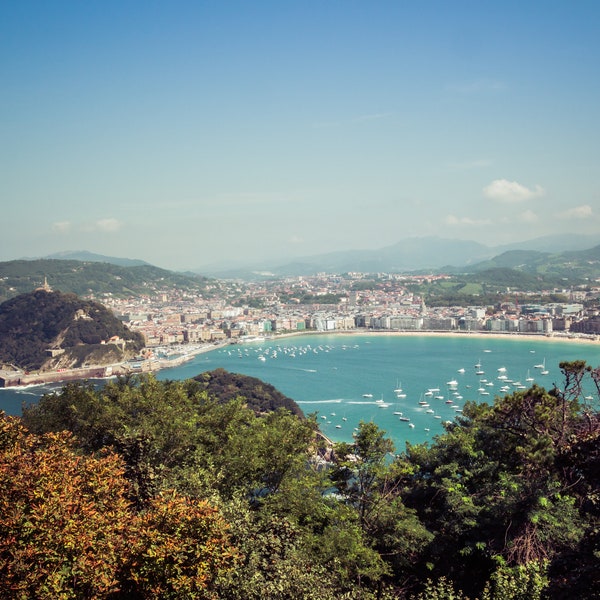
(86, 277)
(68, 530)
(504, 505)
(495, 487)
(261, 397)
(63, 517)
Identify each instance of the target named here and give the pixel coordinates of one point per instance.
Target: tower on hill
(45, 287)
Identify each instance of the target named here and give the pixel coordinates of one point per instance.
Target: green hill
(261, 397)
(575, 267)
(86, 278)
(51, 330)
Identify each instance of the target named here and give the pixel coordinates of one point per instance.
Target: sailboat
(542, 367)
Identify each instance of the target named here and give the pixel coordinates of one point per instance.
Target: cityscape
(336, 303)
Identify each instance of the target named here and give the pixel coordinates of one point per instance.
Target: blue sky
(191, 133)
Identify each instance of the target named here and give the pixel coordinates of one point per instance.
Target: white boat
(542, 365)
(367, 395)
(461, 370)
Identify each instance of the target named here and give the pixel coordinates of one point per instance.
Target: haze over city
(188, 133)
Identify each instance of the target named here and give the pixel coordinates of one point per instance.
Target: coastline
(21, 380)
(554, 337)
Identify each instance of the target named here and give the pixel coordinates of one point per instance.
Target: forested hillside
(216, 501)
(34, 323)
(260, 396)
(95, 278)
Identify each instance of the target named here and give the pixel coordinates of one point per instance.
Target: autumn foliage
(68, 529)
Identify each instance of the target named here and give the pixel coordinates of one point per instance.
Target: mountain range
(408, 255)
(552, 261)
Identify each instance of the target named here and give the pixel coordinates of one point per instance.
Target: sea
(409, 385)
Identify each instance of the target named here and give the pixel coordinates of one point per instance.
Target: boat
(398, 389)
(461, 370)
(542, 365)
(367, 395)
(411, 425)
(406, 419)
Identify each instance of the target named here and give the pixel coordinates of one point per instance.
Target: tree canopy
(213, 499)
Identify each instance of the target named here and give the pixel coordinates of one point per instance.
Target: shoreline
(189, 353)
(553, 337)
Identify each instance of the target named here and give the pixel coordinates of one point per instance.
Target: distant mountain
(553, 243)
(85, 256)
(96, 278)
(51, 330)
(574, 266)
(408, 255)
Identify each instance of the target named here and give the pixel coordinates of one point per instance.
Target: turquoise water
(331, 374)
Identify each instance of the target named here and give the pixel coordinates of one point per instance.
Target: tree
(63, 517)
(68, 529)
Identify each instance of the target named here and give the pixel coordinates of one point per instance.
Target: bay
(349, 378)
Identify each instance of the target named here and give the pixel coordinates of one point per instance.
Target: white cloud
(529, 217)
(109, 225)
(61, 226)
(453, 220)
(503, 190)
(578, 212)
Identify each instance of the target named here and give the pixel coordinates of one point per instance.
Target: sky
(207, 132)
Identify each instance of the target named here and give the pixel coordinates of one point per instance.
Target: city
(353, 302)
